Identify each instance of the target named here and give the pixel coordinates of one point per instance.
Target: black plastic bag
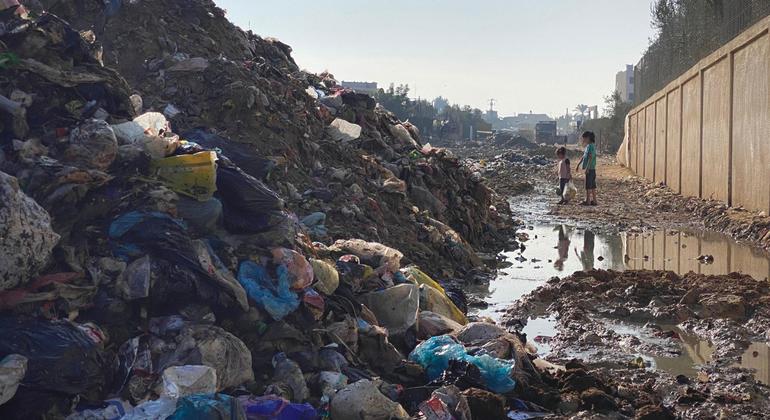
(242, 154)
(243, 191)
(62, 357)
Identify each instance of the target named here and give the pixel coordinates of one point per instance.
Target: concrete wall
(707, 134)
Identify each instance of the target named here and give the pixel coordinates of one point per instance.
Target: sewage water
(559, 250)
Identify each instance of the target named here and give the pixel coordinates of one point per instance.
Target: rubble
(594, 309)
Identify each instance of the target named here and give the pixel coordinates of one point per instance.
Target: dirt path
(621, 205)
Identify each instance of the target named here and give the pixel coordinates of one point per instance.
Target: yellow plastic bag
(435, 301)
(192, 175)
(419, 276)
(326, 275)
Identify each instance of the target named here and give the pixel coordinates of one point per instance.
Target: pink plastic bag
(300, 270)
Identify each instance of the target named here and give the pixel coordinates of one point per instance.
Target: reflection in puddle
(697, 351)
(540, 331)
(561, 250)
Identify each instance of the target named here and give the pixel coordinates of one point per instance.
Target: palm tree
(582, 109)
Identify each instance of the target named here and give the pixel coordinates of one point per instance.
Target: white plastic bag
(181, 381)
(570, 191)
(341, 130)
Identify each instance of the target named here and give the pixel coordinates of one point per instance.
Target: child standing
(562, 169)
(588, 162)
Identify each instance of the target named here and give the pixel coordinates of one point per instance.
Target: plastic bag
(12, 370)
(274, 407)
(208, 407)
(62, 357)
(203, 216)
(134, 282)
(288, 372)
(181, 381)
(431, 324)
(326, 275)
(435, 353)
(395, 308)
(241, 154)
(245, 194)
(158, 409)
(211, 263)
(300, 271)
(419, 276)
(92, 145)
(341, 130)
(212, 346)
(437, 302)
(363, 400)
(275, 298)
(570, 191)
(372, 253)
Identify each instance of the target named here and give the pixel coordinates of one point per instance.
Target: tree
(615, 110)
(685, 32)
(582, 110)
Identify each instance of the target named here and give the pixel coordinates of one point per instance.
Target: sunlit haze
(543, 56)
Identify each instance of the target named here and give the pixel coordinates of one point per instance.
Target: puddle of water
(695, 351)
(560, 250)
(539, 331)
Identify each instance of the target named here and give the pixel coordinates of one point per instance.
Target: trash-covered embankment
(322, 148)
(153, 263)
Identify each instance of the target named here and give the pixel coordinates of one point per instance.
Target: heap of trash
(167, 252)
(334, 156)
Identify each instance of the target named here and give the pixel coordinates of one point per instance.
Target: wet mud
(634, 308)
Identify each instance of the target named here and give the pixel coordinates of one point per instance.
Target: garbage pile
(329, 152)
(509, 140)
(510, 172)
(152, 273)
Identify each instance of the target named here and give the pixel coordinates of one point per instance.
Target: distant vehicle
(545, 132)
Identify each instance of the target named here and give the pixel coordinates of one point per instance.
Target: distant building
(624, 84)
(361, 87)
(593, 112)
(525, 122)
(545, 132)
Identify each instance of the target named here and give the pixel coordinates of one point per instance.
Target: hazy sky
(539, 55)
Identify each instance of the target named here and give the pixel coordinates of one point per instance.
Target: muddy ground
(625, 202)
(639, 343)
(591, 308)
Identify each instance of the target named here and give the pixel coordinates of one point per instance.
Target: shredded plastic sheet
(435, 353)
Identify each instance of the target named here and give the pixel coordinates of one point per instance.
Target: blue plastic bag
(275, 298)
(435, 353)
(208, 407)
(274, 407)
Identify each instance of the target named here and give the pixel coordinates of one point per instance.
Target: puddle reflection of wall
(756, 357)
(679, 251)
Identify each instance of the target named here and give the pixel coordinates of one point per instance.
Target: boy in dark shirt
(588, 162)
